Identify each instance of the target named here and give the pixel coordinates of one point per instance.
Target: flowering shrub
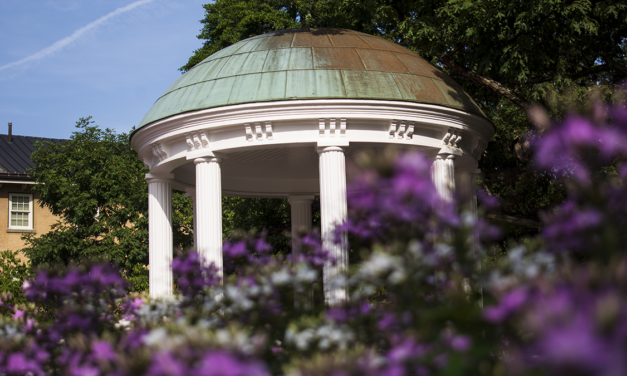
(554, 305)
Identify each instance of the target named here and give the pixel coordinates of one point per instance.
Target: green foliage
(95, 183)
(138, 278)
(13, 272)
(268, 215)
(182, 220)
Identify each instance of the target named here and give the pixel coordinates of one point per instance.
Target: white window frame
(30, 211)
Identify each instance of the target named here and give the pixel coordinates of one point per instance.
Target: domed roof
(310, 63)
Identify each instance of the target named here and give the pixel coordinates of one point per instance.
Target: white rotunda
(279, 115)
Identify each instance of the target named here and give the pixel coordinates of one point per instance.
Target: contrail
(77, 34)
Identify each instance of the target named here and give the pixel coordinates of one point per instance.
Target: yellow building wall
(42, 218)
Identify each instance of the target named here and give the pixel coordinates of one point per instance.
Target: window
(20, 211)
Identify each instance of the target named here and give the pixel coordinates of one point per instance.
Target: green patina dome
(310, 63)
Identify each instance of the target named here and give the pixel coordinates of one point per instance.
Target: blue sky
(111, 59)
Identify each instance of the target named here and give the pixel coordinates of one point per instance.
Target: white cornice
(224, 117)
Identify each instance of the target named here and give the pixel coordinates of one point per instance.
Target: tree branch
(516, 221)
(583, 73)
(497, 87)
(613, 65)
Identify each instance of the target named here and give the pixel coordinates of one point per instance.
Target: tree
(516, 50)
(95, 183)
(506, 54)
(270, 216)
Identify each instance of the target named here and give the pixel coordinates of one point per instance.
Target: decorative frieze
(333, 129)
(452, 138)
(259, 132)
(197, 140)
(401, 129)
(158, 152)
(269, 132)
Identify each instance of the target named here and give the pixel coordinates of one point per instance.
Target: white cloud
(59, 45)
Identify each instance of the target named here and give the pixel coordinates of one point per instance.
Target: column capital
(164, 178)
(448, 151)
(207, 160)
(324, 149)
(338, 142)
(300, 198)
(445, 156)
(204, 153)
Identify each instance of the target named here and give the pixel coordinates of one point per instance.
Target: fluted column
(300, 207)
(159, 237)
(333, 211)
(191, 193)
(443, 175)
(466, 185)
(209, 210)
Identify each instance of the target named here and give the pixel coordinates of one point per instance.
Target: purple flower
(509, 304)
(193, 276)
(102, 350)
(460, 343)
(18, 363)
(219, 363)
(18, 314)
(84, 370)
(236, 249)
(405, 201)
(165, 364)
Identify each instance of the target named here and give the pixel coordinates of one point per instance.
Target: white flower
(123, 323)
(300, 339)
(281, 277)
(305, 274)
(238, 297)
(156, 337)
(381, 264)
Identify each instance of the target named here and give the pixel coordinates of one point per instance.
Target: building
(280, 115)
(20, 211)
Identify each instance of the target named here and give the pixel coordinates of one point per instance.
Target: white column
(333, 211)
(159, 237)
(443, 175)
(300, 207)
(191, 193)
(209, 210)
(465, 187)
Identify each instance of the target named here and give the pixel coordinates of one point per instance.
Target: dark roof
(15, 156)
